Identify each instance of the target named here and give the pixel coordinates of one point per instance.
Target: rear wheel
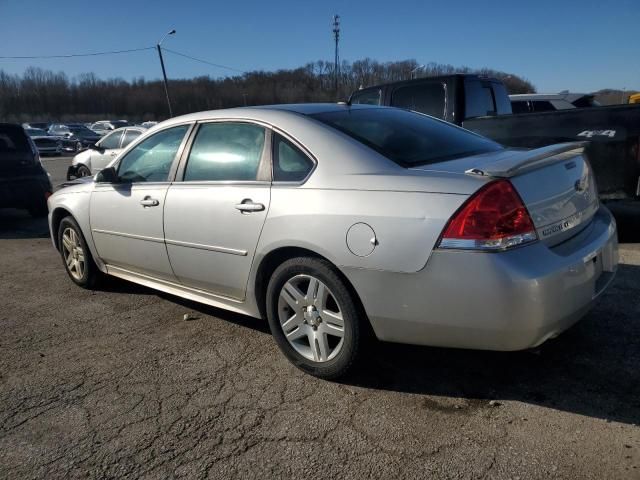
(76, 255)
(78, 146)
(314, 318)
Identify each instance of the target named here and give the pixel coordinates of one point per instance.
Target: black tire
(83, 171)
(78, 147)
(354, 321)
(90, 273)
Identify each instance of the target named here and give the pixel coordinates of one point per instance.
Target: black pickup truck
(482, 105)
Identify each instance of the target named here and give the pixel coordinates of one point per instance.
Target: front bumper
(511, 300)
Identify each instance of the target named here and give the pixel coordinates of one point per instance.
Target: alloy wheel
(311, 318)
(73, 253)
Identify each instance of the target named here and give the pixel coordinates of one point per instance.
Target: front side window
(111, 141)
(426, 98)
(367, 97)
(290, 164)
(225, 152)
(129, 136)
(150, 161)
(407, 138)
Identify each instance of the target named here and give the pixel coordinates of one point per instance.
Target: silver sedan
(339, 224)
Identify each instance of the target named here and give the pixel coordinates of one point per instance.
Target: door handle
(149, 202)
(248, 205)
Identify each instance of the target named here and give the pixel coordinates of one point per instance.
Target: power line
(71, 55)
(203, 61)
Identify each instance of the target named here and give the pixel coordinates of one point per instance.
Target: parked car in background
(24, 183)
(75, 136)
(332, 221)
(538, 102)
(102, 152)
(148, 124)
(41, 125)
(105, 126)
(45, 143)
(481, 104)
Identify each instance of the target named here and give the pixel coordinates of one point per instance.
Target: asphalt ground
(114, 383)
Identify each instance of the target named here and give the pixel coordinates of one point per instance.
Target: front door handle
(149, 202)
(247, 205)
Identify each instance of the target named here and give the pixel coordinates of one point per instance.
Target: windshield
(35, 132)
(409, 139)
(77, 129)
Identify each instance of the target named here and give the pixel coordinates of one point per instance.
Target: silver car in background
(336, 221)
(98, 156)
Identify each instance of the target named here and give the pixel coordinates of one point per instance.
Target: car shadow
(18, 224)
(592, 369)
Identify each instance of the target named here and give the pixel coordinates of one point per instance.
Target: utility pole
(164, 72)
(336, 35)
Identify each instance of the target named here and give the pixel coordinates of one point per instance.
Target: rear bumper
(493, 301)
(25, 191)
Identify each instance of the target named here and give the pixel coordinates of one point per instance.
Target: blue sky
(575, 45)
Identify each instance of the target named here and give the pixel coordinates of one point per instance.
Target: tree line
(45, 95)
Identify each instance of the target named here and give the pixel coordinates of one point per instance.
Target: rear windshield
(13, 140)
(409, 139)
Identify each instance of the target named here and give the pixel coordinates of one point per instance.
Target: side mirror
(97, 148)
(108, 175)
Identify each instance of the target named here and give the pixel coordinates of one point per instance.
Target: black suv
(24, 183)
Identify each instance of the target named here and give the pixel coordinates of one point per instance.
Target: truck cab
(453, 98)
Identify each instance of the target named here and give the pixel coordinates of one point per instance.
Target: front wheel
(314, 318)
(83, 171)
(76, 255)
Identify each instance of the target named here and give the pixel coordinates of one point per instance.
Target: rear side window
(407, 138)
(366, 97)
(290, 164)
(478, 99)
(225, 152)
(426, 98)
(13, 140)
(503, 105)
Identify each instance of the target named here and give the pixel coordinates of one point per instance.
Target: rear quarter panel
(407, 225)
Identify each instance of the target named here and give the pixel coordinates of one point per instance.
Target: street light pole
(164, 72)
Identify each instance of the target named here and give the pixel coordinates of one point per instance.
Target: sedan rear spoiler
(525, 160)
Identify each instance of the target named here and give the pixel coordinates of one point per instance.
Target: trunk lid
(556, 184)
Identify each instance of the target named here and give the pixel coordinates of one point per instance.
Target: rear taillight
(494, 218)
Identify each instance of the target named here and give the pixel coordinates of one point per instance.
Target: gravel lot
(114, 383)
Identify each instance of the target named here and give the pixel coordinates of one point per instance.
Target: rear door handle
(248, 205)
(149, 202)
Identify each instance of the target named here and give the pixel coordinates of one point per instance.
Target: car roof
(265, 112)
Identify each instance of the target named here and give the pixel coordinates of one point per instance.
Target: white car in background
(94, 159)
